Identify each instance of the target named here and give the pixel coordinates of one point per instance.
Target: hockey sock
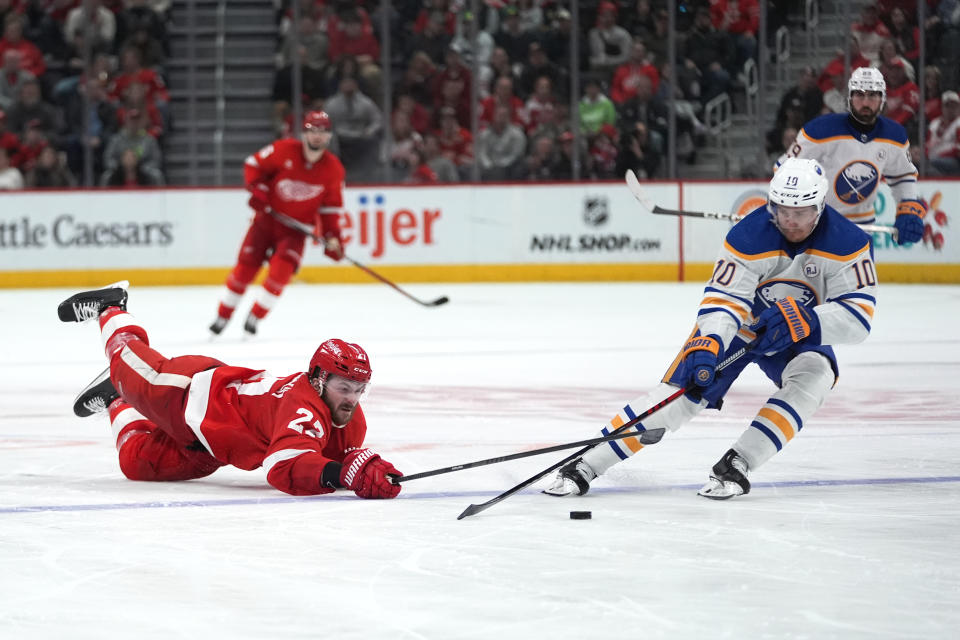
(670, 417)
(806, 381)
(117, 328)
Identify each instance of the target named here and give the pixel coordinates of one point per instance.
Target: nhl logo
(595, 211)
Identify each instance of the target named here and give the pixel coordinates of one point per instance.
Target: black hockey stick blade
(652, 436)
(426, 303)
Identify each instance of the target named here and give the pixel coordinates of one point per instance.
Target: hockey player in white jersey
(857, 150)
(793, 278)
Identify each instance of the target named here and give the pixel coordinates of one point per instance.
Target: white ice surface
(851, 532)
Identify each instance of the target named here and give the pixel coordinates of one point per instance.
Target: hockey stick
(303, 227)
(477, 508)
(634, 185)
(652, 436)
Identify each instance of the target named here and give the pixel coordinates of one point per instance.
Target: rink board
(460, 233)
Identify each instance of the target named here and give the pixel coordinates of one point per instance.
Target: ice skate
(96, 397)
(573, 479)
(250, 326)
(218, 325)
(87, 305)
(728, 478)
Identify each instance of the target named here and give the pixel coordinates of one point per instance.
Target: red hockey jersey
(297, 188)
(249, 419)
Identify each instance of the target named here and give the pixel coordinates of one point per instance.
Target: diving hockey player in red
(793, 278)
(183, 418)
(292, 183)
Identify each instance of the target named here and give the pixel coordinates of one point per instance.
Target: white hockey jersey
(831, 272)
(855, 162)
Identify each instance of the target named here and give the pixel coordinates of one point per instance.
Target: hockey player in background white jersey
(793, 278)
(857, 150)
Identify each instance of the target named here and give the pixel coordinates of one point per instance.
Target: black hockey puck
(580, 515)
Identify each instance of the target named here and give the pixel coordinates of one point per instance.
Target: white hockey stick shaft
(634, 185)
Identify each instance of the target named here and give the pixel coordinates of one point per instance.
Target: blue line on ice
(453, 494)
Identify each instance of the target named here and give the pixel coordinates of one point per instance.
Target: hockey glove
(365, 473)
(259, 197)
(909, 221)
(700, 356)
(784, 324)
(329, 225)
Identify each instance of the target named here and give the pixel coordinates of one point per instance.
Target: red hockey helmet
(340, 358)
(316, 120)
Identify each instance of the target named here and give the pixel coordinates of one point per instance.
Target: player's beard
(865, 115)
(343, 413)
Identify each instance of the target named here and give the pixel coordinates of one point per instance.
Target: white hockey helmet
(798, 182)
(867, 79)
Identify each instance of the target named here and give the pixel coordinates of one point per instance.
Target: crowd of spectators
(886, 36)
(522, 52)
(82, 81)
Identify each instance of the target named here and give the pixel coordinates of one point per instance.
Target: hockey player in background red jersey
(183, 418)
(292, 183)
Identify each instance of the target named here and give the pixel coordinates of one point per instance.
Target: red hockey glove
(909, 221)
(784, 324)
(365, 473)
(332, 246)
(259, 197)
(329, 224)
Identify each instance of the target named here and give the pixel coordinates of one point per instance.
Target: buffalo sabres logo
(774, 290)
(595, 211)
(856, 182)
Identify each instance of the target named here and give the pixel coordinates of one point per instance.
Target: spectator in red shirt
(351, 39)
(905, 35)
(903, 95)
(135, 99)
(451, 96)
(455, 141)
(835, 68)
(441, 7)
(132, 71)
(454, 70)
(739, 18)
(502, 95)
(624, 84)
(542, 100)
(417, 114)
(421, 172)
(870, 32)
(31, 58)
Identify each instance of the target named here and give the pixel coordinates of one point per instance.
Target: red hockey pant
(267, 239)
(154, 441)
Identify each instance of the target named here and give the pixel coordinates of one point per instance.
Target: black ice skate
(573, 479)
(87, 305)
(217, 327)
(96, 397)
(728, 478)
(250, 326)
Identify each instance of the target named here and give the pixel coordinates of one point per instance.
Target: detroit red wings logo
(297, 191)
